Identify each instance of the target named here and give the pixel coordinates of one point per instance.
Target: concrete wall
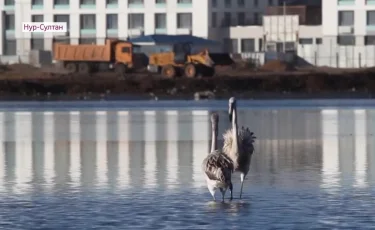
(338, 56)
(280, 28)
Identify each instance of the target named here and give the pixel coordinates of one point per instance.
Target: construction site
(118, 69)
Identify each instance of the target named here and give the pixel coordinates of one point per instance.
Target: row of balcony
(370, 29)
(352, 2)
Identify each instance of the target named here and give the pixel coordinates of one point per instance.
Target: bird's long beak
(230, 112)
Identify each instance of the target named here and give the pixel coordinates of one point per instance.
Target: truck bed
(84, 52)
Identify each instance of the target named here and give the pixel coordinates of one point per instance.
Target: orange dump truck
(86, 58)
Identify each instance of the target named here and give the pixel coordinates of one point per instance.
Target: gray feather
(217, 166)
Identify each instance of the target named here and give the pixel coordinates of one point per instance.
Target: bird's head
(232, 106)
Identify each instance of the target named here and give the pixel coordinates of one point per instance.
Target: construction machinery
(180, 61)
(122, 56)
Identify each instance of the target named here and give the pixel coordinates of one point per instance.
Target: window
(247, 45)
(37, 43)
(214, 19)
(305, 41)
(184, 20)
(87, 2)
(369, 40)
(9, 2)
(87, 41)
(10, 47)
(61, 2)
(136, 21)
(214, 3)
(125, 50)
(59, 40)
(260, 48)
(346, 18)
(184, 1)
(370, 18)
(228, 3)
(256, 3)
(241, 18)
(160, 21)
(37, 2)
(135, 2)
(112, 22)
(227, 19)
(241, 3)
(270, 2)
(318, 41)
(62, 18)
(111, 2)
(9, 21)
(230, 45)
(346, 40)
(160, 1)
(88, 22)
(257, 19)
(37, 18)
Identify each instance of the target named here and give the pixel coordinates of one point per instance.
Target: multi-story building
(349, 22)
(91, 21)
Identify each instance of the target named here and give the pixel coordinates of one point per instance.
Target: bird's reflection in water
(234, 206)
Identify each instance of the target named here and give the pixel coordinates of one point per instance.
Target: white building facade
(91, 21)
(350, 22)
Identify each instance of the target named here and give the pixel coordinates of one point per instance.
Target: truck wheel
(168, 71)
(121, 70)
(71, 67)
(190, 70)
(84, 68)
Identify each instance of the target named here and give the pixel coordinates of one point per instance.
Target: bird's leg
(222, 194)
(231, 190)
(242, 180)
(212, 191)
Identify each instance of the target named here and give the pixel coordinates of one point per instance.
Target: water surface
(140, 169)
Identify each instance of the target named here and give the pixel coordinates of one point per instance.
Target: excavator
(181, 62)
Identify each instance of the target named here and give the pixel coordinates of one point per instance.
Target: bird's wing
(217, 166)
(246, 139)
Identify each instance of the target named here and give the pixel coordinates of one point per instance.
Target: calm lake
(97, 165)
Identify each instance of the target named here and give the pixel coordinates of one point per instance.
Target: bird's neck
(214, 139)
(235, 131)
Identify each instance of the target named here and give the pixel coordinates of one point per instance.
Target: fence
(329, 53)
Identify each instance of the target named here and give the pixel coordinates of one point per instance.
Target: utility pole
(284, 15)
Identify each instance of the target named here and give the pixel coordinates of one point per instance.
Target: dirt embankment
(24, 80)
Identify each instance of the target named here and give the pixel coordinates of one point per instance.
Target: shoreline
(265, 96)
(23, 83)
(188, 105)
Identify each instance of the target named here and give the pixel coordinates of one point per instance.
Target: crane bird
(238, 144)
(217, 167)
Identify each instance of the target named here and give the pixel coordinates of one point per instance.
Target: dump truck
(122, 56)
(180, 61)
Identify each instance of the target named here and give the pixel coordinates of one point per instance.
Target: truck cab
(129, 56)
